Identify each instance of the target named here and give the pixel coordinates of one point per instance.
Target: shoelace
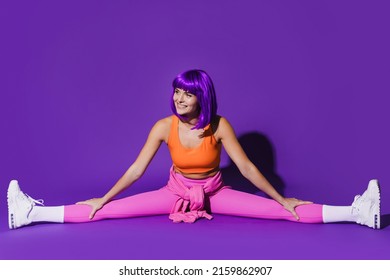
(357, 203)
(31, 200)
(360, 209)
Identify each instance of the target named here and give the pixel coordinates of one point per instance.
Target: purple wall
(81, 84)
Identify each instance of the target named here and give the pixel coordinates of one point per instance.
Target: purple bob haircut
(199, 83)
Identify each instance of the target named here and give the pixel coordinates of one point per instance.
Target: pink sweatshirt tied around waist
(190, 205)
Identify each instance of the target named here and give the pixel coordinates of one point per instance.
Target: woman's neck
(189, 121)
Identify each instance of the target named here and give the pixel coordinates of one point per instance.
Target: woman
(194, 135)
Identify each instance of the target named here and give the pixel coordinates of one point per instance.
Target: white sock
(54, 214)
(332, 214)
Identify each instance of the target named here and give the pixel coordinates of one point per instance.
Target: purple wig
(199, 83)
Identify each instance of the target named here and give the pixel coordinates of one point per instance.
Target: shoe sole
(12, 189)
(375, 195)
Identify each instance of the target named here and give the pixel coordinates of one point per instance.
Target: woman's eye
(189, 95)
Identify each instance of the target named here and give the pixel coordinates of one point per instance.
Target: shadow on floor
(385, 221)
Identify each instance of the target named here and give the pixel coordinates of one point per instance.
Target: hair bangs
(187, 84)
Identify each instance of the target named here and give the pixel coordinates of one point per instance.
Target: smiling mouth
(181, 106)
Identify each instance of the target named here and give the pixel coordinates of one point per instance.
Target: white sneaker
(20, 206)
(367, 206)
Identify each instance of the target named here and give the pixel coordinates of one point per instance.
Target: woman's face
(186, 103)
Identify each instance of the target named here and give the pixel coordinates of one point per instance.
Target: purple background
(82, 82)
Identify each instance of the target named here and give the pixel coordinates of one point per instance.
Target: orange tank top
(201, 159)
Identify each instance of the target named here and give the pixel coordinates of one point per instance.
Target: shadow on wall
(260, 151)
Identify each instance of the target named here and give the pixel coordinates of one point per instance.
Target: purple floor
(222, 238)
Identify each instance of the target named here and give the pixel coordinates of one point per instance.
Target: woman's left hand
(290, 203)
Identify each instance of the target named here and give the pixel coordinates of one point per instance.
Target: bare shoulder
(223, 121)
(225, 124)
(224, 128)
(161, 128)
(164, 123)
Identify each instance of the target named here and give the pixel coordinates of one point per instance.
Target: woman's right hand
(95, 203)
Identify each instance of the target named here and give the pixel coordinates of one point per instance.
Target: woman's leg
(237, 203)
(365, 209)
(24, 210)
(144, 204)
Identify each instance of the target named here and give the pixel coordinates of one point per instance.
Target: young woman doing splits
(195, 189)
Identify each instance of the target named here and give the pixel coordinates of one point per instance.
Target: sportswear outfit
(186, 200)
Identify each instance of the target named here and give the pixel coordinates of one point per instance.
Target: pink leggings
(226, 201)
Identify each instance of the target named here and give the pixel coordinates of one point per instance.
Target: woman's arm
(157, 135)
(233, 148)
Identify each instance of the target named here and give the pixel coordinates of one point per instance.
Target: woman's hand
(95, 203)
(290, 203)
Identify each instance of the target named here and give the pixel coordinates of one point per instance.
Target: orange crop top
(202, 159)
